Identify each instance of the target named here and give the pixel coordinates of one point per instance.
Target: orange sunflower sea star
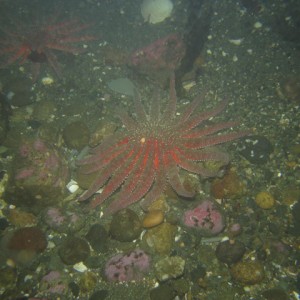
(147, 155)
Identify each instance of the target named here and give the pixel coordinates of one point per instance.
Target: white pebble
(72, 186)
(80, 267)
(257, 25)
(236, 42)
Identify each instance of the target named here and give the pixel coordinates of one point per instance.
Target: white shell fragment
(72, 186)
(156, 11)
(236, 42)
(257, 25)
(80, 267)
(47, 80)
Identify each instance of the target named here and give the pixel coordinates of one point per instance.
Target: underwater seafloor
(54, 247)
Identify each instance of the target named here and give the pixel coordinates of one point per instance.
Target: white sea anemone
(156, 11)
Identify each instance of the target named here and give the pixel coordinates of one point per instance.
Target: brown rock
(248, 272)
(160, 238)
(21, 218)
(230, 186)
(28, 238)
(153, 218)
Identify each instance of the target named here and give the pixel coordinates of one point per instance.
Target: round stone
(76, 135)
(74, 250)
(169, 267)
(28, 238)
(264, 200)
(97, 236)
(230, 251)
(125, 226)
(248, 272)
(153, 218)
(256, 149)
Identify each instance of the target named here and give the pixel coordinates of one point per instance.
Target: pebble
(229, 186)
(125, 226)
(275, 294)
(88, 282)
(162, 292)
(153, 218)
(169, 267)
(80, 267)
(230, 251)
(160, 239)
(256, 149)
(74, 250)
(97, 236)
(248, 272)
(21, 218)
(28, 238)
(264, 200)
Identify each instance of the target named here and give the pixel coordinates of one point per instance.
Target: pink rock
(53, 283)
(54, 217)
(41, 163)
(206, 217)
(160, 57)
(39, 145)
(52, 276)
(23, 174)
(127, 267)
(24, 150)
(234, 229)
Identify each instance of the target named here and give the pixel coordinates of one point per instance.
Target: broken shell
(72, 186)
(236, 42)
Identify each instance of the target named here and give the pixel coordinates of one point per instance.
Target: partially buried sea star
(148, 154)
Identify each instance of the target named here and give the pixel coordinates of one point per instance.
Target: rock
(74, 250)
(28, 238)
(229, 186)
(99, 295)
(127, 267)
(5, 112)
(153, 218)
(264, 200)
(158, 58)
(169, 267)
(248, 272)
(162, 292)
(256, 149)
(38, 177)
(97, 236)
(21, 218)
(160, 239)
(76, 135)
(55, 219)
(207, 218)
(54, 283)
(3, 224)
(122, 86)
(43, 111)
(8, 279)
(125, 226)
(88, 282)
(290, 89)
(275, 294)
(19, 92)
(230, 252)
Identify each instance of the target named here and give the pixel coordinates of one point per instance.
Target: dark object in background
(256, 149)
(252, 6)
(197, 30)
(230, 252)
(5, 113)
